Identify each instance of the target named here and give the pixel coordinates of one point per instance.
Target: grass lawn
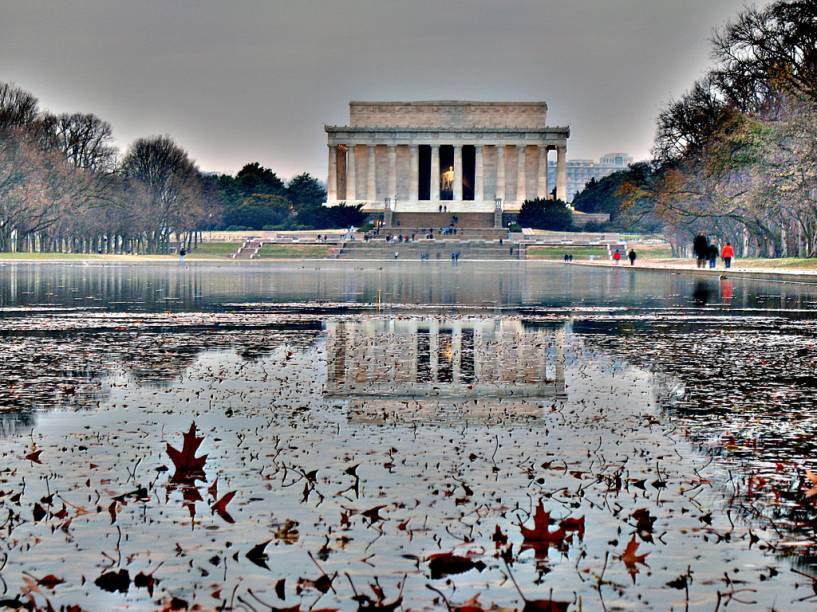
(801, 263)
(558, 252)
(50, 256)
(652, 251)
(215, 249)
(294, 251)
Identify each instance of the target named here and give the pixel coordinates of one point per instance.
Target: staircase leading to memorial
(462, 234)
(443, 219)
(248, 250)
(432, 250)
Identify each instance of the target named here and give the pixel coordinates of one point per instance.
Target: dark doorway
(424, 189)
(445, 356)
(467, 366)
(469, 153)
(446, 162)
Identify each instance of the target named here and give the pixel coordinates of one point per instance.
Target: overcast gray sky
(256, 80)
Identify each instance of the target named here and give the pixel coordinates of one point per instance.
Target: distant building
(438, 163)
(580, 171)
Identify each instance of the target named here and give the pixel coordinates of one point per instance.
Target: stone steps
(443, 219)
(436, 250)
(248, 250)
(462, 233)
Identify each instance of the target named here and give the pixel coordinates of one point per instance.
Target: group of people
(631, 255)
(400, 238)
(707, 253)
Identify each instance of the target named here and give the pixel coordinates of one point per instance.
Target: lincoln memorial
(414, 161)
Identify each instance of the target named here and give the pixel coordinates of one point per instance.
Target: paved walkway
(789, 274)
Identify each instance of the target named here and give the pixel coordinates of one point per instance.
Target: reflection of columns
(457, 172)
(351, 181)
(371, 184)
(500, 171)
(542, 170)
(435, 173)
(414, 171)
(560, 360)
(456, 352)
(561, 173)
(478, 174)
(520, 173)
(413, 353)
(392, 186)
(433, 349)
(332, 180)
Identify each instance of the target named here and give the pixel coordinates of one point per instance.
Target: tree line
(65, 188)
(735, 157)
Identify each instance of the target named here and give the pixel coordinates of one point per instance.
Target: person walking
(700, 248)
(617, 256)
(727, 254)
(712, 255)
(633, 256)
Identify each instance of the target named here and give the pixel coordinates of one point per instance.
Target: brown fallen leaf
(630, 557)
(188, 466)
(34, 455)
(220, 507)
(447, 563)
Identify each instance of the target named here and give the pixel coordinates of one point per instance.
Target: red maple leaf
(630, 558)
(541, 538)
(188, 466)
(541, 533)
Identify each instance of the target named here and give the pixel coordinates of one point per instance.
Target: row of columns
(355, 356)
(479, 175)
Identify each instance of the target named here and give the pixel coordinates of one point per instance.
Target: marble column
(500, 172)
(478, 174)
(351, 181)
(458, 173)
(542, 174)
(561, 173)
(435, 173)
(521, 194)
(332, 179)
(371, 184)
(414, 173)
(392, 188)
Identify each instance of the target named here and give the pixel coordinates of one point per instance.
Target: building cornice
(540, 103)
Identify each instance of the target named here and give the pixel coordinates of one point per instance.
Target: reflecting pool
(602, 437)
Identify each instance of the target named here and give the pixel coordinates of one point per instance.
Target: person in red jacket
(617, 256)
(727, 254)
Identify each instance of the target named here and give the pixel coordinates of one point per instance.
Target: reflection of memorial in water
(434, 368)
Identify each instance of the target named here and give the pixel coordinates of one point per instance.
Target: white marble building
(415, 160)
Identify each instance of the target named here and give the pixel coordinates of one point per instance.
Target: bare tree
(687, 124)
(18, 108)
(767, 52)
(86, 141)
(168, 188)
